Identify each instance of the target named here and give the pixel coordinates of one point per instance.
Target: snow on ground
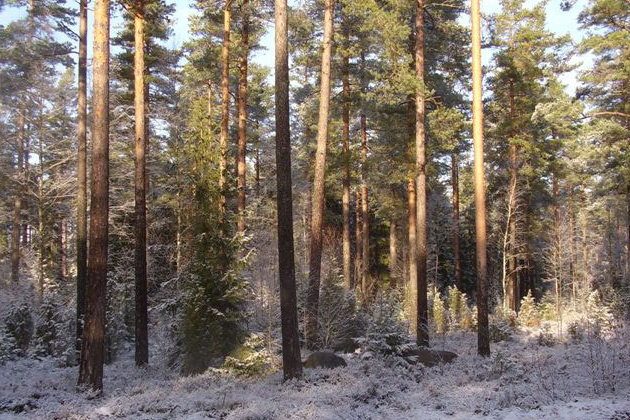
(522, 380)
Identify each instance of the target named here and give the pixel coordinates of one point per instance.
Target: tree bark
(141, 332)
(82, 173)
(456, 254)
(291, 359)
(511, 297)
(17, 202)
(393, 254)
(347, 259)
(241, 167)
(63, 256)
(365, 210)
(317, 211)
(225, 102)
(92, 352)
(358, 241)
(558, 245)
(422, 331)
(413, 252)
(483, 335)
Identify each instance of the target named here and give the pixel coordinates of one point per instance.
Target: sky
(558, 21)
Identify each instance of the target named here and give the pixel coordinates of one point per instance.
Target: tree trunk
(455, 183)
(225, 101)
(241, 167)
(142, 336)
(393, 254)
(291, 359)
(558, 244)
(62, 251)
(413, 252)
(17, 203)
(92, 352)
(347, 259)
(422, 337)
(483, 335)
(358, 242)
(317, 211)
(572, 247)
(82, 173)
(511, 298)
(365, 215)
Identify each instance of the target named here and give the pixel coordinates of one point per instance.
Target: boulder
(428, 357)
(324, 359)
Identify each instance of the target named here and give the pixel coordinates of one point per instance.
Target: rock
(324, 359)
(428, 357)
(347, 345)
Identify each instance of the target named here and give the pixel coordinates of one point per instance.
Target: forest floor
(522, 380)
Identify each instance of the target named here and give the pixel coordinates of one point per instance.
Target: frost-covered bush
(19, 325)
(456, 304)
(576, 331)
(546, 337)
(339, 319)
(547, 307)
(9, 349)
(528, 315)
(47, 339)
(252, 358)
(599, 316)
(468, 318)
(385, 330)
(440, 318)
(500, 326)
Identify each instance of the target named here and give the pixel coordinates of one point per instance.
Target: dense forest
(356, 209)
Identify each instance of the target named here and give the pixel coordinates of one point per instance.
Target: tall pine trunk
(312, 304)
(241, 167)
(511, 297)
(92, 352)
(347, 258)
(358, 240)
(422, 330)
(483, 334)
(225, 102)
(142, 336)
(413, 252)
(455, 184)
(393, 254)
(291, 359)
(365, 210)
(82, 173)
(17, 202)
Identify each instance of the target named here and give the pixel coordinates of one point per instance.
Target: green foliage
(528, 315)
(19, 325)
(440, 318)
(385, 331)
(339, 319)
(547, 307)
(9, 349)
(500, 326)
(457, 305)
(252, 358)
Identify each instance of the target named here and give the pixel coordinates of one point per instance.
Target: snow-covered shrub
(9, 349)
(576, 331)
(547, 307)
(528, 315)
(47, 340)
(546, 337)
(500, 326)
(456, 304)
(599, 316)
(468, 318)
(252, 358)
(19, 324)
(385, 331)
(338, 317)
(440, 319)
